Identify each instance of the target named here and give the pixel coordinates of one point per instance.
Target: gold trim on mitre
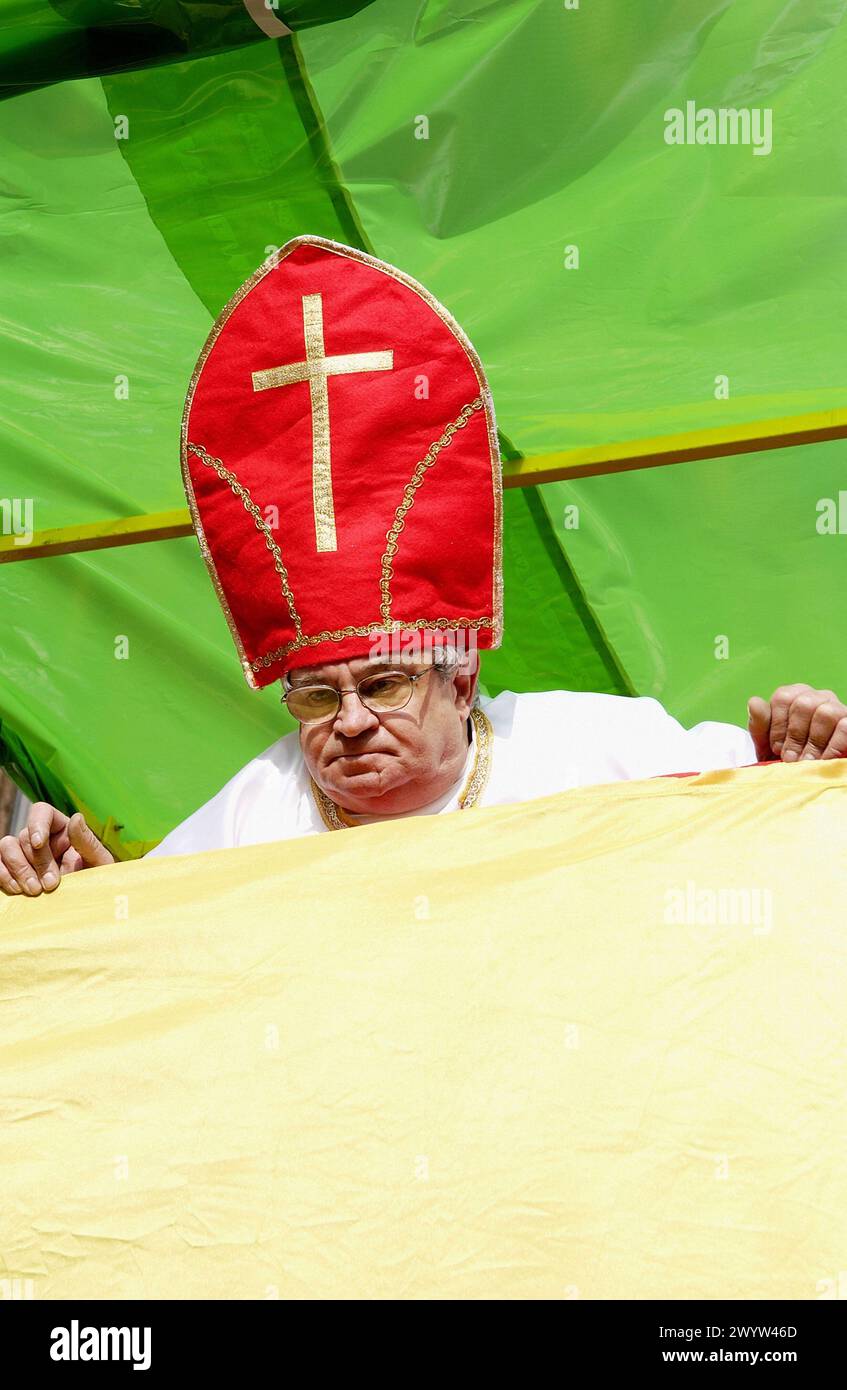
(350, 253)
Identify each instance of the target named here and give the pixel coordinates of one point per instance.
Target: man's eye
(315, 698)
(383, 685)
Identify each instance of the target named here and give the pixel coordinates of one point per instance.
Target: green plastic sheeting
(44, 42)
(229, 161)
(717, 580)
(139, 195)
(544, 130)
(97, 307)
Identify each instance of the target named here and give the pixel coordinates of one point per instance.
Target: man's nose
(353, 717)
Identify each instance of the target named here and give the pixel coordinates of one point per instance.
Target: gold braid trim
(408, 498)
(481, 770)
(336, 635)
(334, 818)
(261, 525)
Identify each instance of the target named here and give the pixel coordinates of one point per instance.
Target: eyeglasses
(380, 692)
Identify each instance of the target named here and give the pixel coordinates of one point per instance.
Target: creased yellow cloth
(507, 1053)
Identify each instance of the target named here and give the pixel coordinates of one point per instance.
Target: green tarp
(512, 156)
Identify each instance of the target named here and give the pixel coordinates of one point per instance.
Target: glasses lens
(311, 703)
(392, 690)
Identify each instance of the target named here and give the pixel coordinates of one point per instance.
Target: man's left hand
(798, 722)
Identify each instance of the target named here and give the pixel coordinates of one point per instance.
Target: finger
(781, 702)
(758, 724)
(822, 727)
(85, 842)
(36, 844)
(17, 864)
(45, 824)
(8, 885)
(837, 746)
(800, 716)
(59, 843)
(43, 821)
(70, 862)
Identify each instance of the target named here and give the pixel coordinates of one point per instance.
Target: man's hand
(798, 722)
(50, 845)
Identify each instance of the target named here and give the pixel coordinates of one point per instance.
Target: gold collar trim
(334, 818)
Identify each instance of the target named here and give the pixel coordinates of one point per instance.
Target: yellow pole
(100, 535)
(586, 462)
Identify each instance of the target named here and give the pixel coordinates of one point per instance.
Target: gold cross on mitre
(317, 369)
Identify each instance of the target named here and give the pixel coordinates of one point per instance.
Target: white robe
(543, 743)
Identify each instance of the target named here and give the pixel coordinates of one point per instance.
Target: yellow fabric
(466, 1056)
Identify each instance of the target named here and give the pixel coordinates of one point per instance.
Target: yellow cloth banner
(588, 1047)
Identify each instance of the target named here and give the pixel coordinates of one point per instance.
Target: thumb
(759, 725)
(86, 844)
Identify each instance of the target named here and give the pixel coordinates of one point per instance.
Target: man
(418, 760)
(340, 459)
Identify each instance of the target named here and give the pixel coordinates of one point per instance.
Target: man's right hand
(50, 845)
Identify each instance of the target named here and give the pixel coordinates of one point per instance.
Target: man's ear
(464, 690)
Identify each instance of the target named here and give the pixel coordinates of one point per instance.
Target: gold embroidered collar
(334, 818)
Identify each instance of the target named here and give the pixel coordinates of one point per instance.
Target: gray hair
(447, 661)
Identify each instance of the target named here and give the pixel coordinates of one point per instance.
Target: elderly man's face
(399, 760)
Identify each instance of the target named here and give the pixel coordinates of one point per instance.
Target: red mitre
(339, 454)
